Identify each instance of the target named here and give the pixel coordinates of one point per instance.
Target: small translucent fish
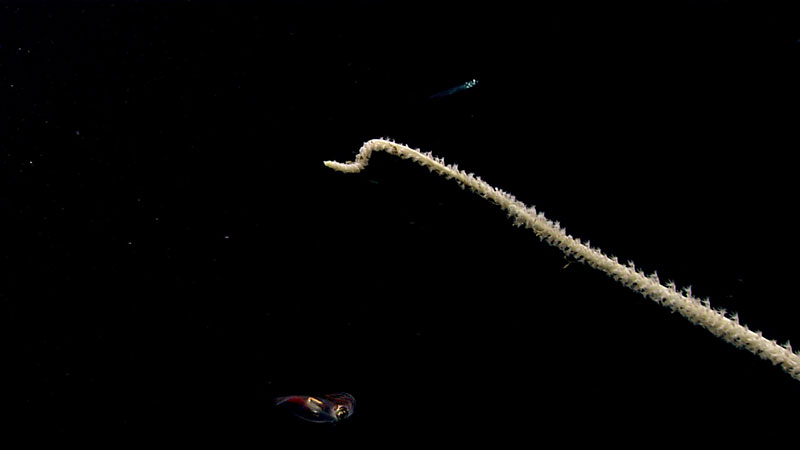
(461, 87)
(330, 408)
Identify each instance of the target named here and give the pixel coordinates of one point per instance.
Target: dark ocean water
(175, 255)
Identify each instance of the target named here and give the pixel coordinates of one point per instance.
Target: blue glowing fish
(461, 87)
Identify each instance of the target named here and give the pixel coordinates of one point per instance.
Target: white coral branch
(698, 312)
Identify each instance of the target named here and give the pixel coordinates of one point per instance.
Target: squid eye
(341, 412)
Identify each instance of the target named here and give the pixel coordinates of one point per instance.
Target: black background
(174, 253)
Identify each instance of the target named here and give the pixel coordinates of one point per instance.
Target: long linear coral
(718, 322)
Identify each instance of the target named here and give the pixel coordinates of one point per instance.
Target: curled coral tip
(344, 167)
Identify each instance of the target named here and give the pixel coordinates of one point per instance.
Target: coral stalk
(721, 324)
